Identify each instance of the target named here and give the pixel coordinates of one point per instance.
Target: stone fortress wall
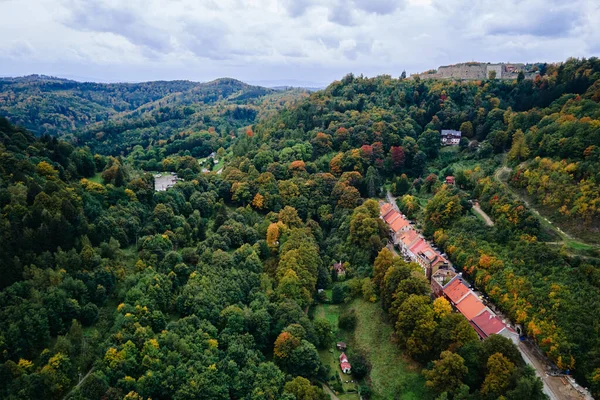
(477, 71)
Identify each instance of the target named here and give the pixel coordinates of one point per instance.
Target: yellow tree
(519, 150)
(383, 262)
(499, 370)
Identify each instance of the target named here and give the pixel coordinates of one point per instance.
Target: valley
(218, 240)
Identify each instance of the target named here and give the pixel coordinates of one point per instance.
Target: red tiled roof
(409, 237)
(398, 224)
(470, 306)
(419, 246)
(487, 324)
(385, 208)
(345, 365)
(391, 216)
(343, 358)
(456, 290)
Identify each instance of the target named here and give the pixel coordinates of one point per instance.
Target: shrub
(347, 319)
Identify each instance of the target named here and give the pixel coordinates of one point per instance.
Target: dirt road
(486, 218)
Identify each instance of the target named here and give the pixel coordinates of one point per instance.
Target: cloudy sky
(284, 41)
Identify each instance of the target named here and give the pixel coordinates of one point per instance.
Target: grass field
(97, 178)
(330, 357)
(393, 376)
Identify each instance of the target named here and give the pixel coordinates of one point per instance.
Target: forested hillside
(205, 290)
(114, 118)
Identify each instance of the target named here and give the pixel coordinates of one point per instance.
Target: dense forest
(169, 115)
(205, 290)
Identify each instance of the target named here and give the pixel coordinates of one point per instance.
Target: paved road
(549, 382)
(539, 370)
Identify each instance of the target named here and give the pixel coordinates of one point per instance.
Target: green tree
(447, 373)
(323, 331)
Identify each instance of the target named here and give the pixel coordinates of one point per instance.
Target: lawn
(331, 356)
(97, 178)
(393, 376)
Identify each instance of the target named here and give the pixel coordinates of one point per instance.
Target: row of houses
(410, 242)
(444, 280)
(449, 284)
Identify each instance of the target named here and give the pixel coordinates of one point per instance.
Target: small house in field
(341, 346)
(344, 364)
(339, 270)
(450, 180)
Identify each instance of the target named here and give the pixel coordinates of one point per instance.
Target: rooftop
(487, 324)
(398, 224)
(391, 216)
(456, 291)
(470, 306)
(409, 237)
(385, 208)
(443, 276)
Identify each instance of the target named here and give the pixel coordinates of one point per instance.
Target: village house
(164, 182)
(385, 209)
(482, 319)
(339, 269)
(486, 324)
(440, 279)
(450, 180)
(418, 250)
(341, 346)
(450, 137)
(344, 364)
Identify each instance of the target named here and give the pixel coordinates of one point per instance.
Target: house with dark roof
(341, 346)
(339, 269)
(450, 137)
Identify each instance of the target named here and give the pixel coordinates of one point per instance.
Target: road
(392, 200)
(79, 384)
(330, 392)
(553, 386)
(485, 217)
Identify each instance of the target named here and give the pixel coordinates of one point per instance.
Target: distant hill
(145, 112)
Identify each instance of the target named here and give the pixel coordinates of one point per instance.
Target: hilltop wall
(476, 71)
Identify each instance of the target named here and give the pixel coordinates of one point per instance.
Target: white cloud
(279, 39)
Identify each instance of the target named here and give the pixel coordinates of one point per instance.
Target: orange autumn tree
(258, 201)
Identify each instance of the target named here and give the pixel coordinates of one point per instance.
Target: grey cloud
(361, 47)
(381, 7)
(342, 14)
(296, 8)
(97, 17)
(545, 23)
(294, 53)
(206, 40)
(329, 42)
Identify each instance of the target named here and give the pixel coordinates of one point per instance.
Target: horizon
(284, 40)
(275, 83)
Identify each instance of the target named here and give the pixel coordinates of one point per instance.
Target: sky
(295, 42)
